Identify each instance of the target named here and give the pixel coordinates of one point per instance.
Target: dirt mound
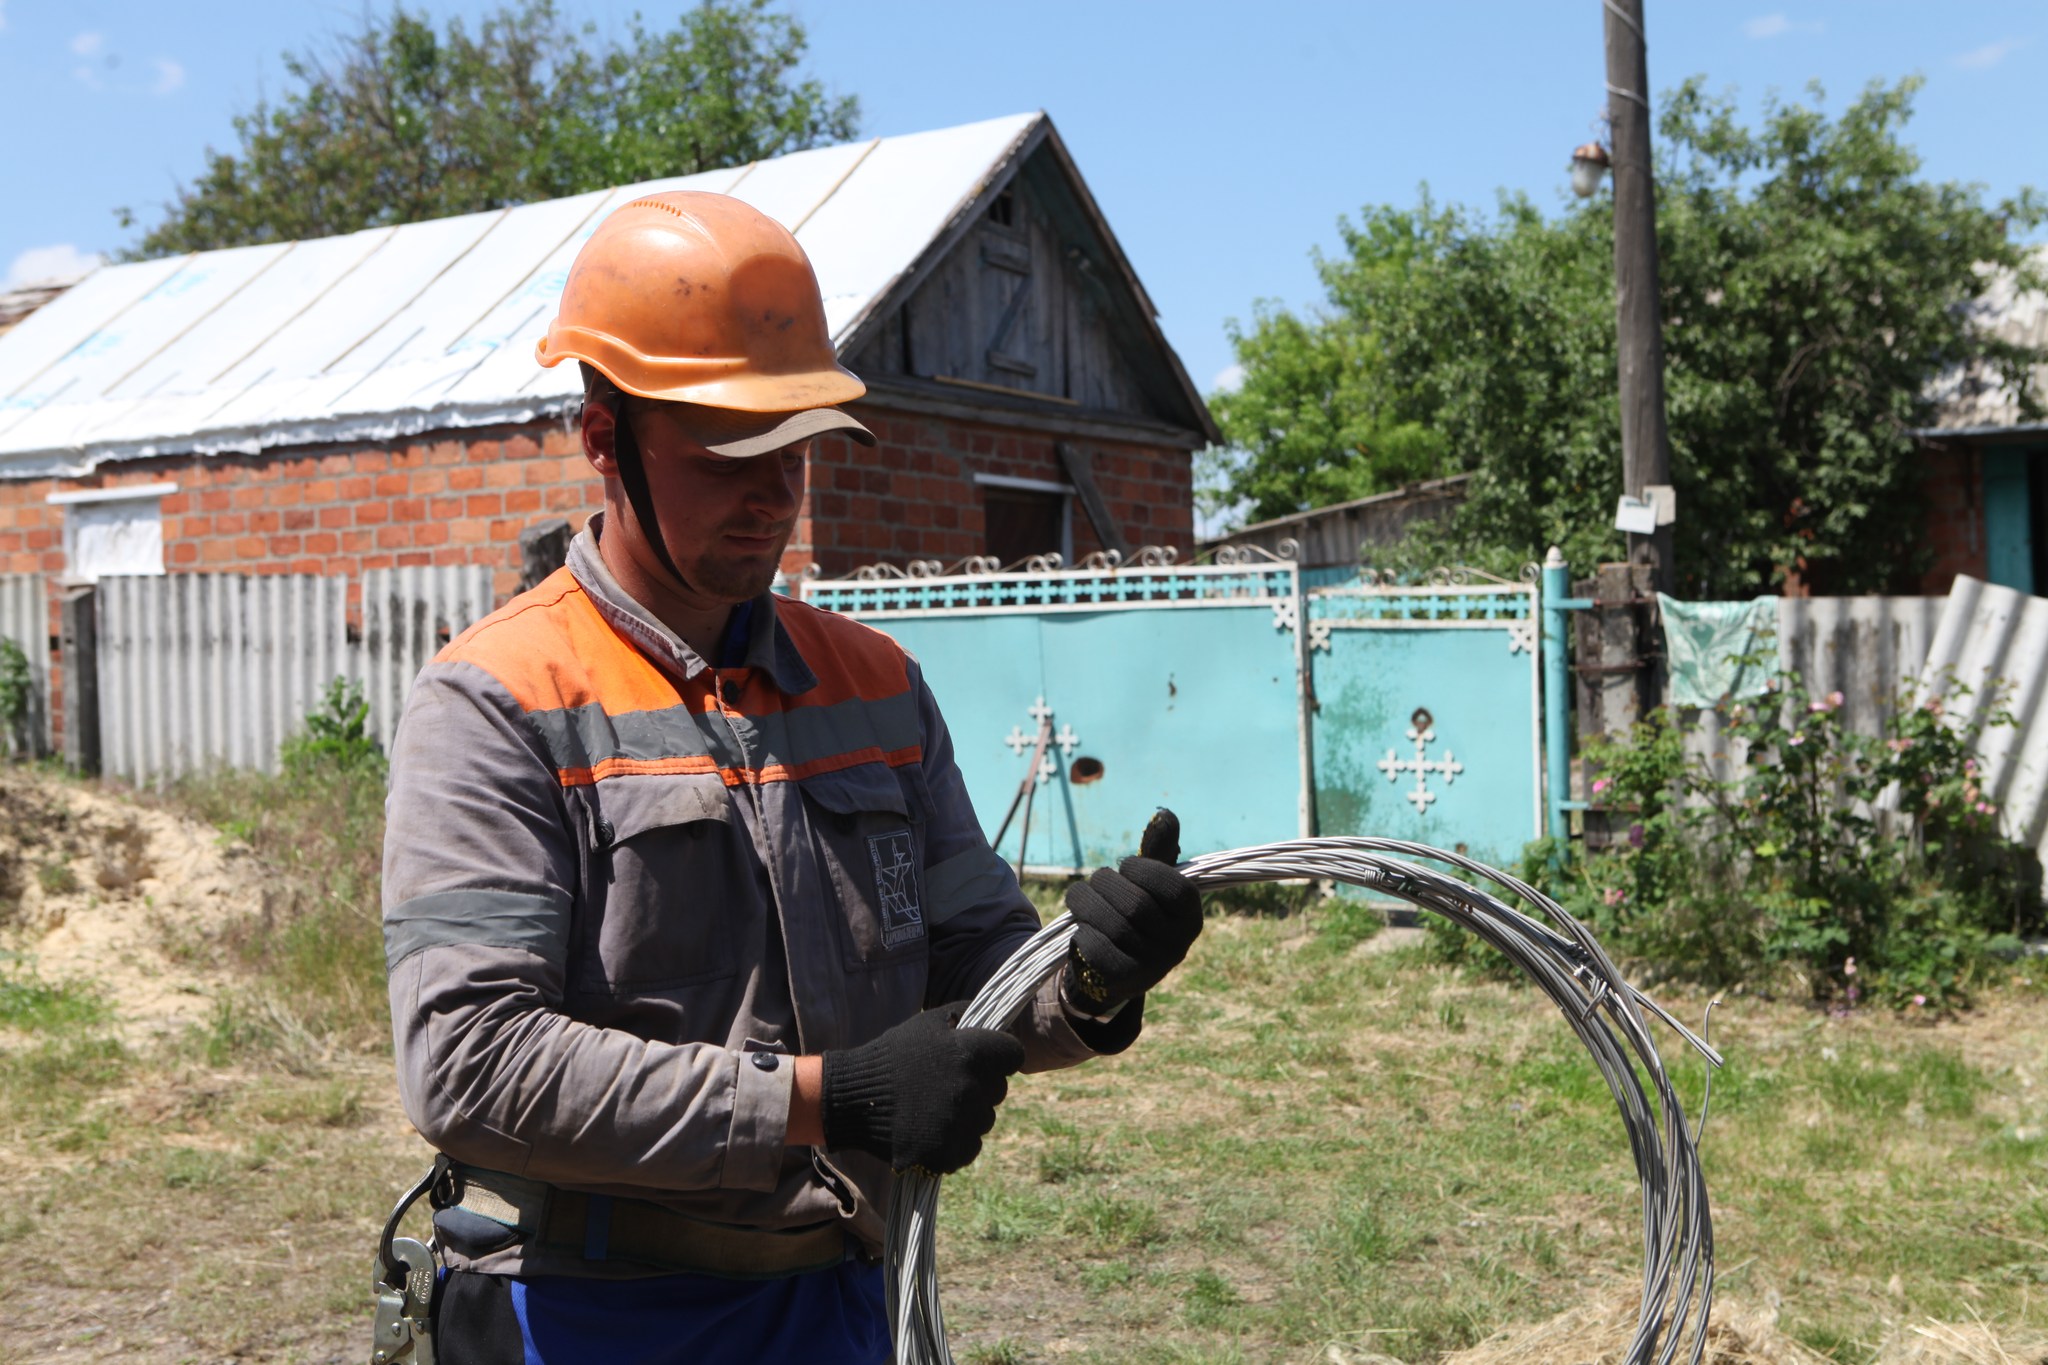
(125, 895)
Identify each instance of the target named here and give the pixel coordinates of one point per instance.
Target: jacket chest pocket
(665, 888)
(868, 823)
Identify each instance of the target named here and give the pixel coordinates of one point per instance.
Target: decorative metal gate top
(1151, 576)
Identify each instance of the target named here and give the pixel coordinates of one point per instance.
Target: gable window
(113, 530)
(1024, 517)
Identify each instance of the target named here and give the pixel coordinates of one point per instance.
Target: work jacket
(613, 871)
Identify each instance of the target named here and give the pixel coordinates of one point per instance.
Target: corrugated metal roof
(1969, 401)
(1994, 642)
(395, 331)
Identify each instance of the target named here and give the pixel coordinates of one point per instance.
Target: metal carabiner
(403, 1279)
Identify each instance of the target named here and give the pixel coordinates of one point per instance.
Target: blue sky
(1223, 140)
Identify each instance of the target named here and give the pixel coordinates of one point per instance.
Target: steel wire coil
(1608, 1015)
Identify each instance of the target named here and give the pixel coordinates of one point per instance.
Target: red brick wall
(459, 499)
(1954, 492)
(463, 498)
(914, 497)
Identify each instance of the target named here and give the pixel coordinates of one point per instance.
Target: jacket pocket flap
(863, 787)
(636, 803)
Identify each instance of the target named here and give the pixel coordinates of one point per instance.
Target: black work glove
(922, 1094)
(1133, 925)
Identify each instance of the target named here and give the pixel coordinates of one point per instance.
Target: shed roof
(395, 331)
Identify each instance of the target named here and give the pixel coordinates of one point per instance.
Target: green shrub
(1871, 867)
(336, 736)
(17, 699)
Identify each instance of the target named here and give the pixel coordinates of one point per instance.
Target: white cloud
(1778, 25)
(170, 76)
(1229, 379)
(87, 43)
(1991, 54)
(60, 264)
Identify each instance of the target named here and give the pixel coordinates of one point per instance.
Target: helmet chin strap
(633, 474)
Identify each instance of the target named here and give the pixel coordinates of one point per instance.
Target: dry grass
(1320, 1152)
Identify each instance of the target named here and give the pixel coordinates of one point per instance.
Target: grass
(1318, 1142)
(315, 965)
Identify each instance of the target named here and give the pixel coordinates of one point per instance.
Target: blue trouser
(828, 1317)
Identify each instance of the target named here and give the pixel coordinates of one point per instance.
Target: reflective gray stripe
(492, 919)
(976, 877)
(803, 734)
(583, 736)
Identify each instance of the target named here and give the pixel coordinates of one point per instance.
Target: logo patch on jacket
(895, 859)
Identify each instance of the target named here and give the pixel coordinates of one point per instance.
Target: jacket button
(605, 833)
(764, 1061)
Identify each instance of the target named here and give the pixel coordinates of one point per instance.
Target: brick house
(346, 404)
(1987, 468)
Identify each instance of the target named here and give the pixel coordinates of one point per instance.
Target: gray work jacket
(612, 871)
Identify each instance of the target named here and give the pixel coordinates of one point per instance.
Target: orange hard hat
(700, 298)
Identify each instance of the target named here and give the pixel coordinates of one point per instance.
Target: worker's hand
(1133, 925)
(922, 1094)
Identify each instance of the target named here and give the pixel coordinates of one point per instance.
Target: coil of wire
(1557, 953)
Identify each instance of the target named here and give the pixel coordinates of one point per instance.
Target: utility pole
(1645, 444)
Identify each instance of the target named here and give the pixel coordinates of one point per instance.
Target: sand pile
(121, 894)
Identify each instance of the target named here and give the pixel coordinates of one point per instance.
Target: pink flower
(1835, 699)
(1600, 784)
(1932, 706)
(1796, 740)
(1898, 746)
(1849, 967)
(1613, 896)
(1985, 808)
(1920, 1001)
(1815, 707)
(1969, 765)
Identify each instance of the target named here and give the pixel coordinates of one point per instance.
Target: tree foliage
(1814, 290)
(401, 122)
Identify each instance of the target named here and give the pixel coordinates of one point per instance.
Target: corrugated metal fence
(204, 669)
(25, 619)
(1866, 648)
(408, 614)
(1991, 654)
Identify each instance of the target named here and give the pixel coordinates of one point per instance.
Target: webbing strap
(599, 1227)
(626, 450)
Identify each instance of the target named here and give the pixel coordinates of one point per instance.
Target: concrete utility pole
(1645, 444)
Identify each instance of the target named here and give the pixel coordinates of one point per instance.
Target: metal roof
(395, 331)
(1970, 403)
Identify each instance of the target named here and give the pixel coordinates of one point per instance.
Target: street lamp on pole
(1589, 168)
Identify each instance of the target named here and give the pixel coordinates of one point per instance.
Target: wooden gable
(1027, 302)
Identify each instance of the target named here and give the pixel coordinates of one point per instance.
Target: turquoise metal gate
(1428, 713)
(1122, 687)
(1155, 684)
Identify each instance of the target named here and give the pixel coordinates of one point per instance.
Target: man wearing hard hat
(681, 882)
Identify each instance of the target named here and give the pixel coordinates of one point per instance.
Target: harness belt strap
(601, 1227)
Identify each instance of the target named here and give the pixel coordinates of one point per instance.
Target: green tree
(401, 122)
(1814, 290)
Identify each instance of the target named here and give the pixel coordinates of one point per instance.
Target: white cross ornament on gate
(1420, 729)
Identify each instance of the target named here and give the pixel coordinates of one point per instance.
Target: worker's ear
(600, 436)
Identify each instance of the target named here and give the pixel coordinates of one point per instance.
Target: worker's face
(725, 521)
